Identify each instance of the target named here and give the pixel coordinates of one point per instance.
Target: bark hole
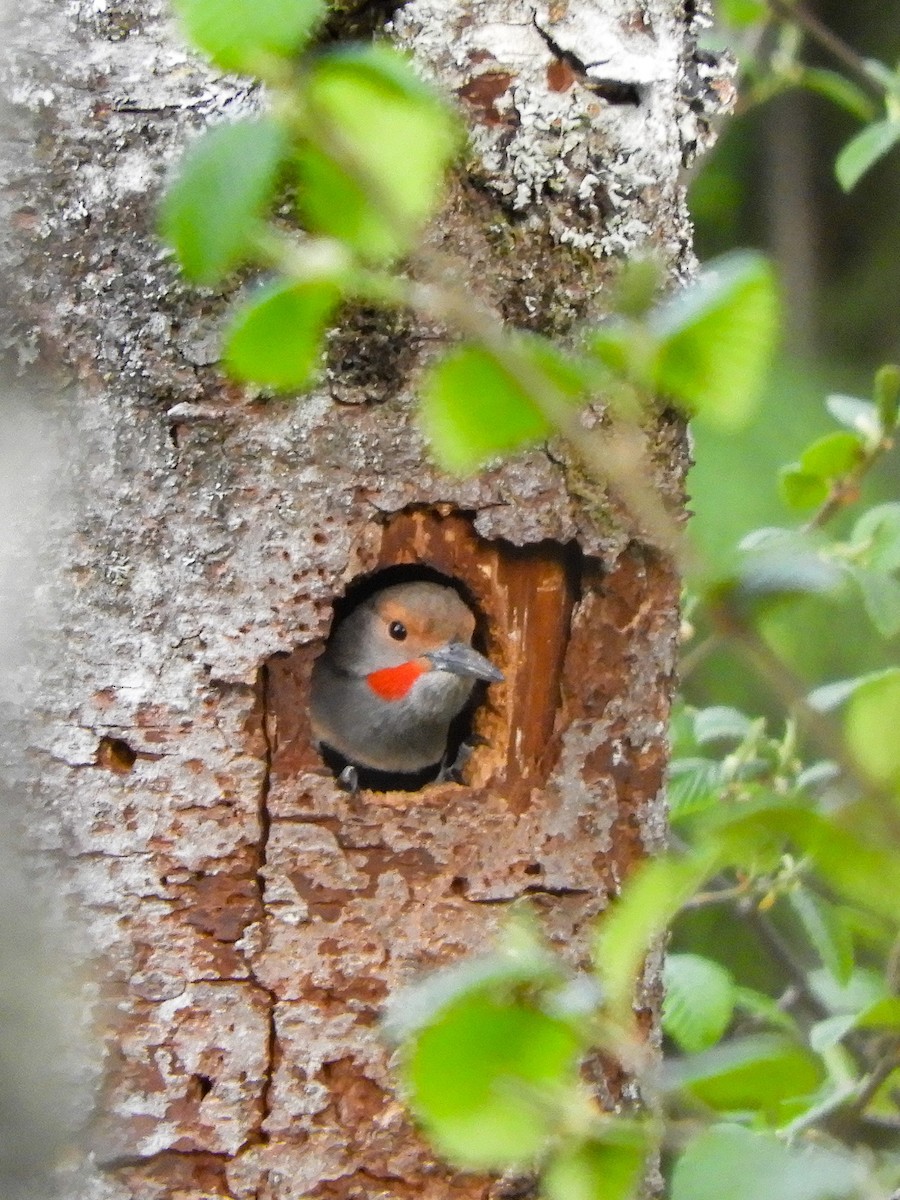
(522, 597)
(116, 755)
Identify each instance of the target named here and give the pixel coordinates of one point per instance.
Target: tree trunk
(246, 916)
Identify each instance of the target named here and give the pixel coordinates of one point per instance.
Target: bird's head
(406, 631)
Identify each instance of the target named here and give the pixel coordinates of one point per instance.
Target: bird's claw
(451, 772)
(348, 779)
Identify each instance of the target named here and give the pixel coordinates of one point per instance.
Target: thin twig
(788, 687)
(846, 490)
(786, 10)
(691, 659)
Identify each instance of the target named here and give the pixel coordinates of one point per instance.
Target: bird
(394, 673)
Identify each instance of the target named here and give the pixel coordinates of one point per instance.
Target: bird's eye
(397, 630)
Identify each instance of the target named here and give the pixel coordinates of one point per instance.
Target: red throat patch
(392, 683)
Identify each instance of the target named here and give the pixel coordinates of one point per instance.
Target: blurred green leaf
(882, 1014)
(877, 535)
(729, 1162)
(275, 338)
(212, 210)
(872, 722)
(763, 1008)
(648, 902)
(694, 785)
(887, 395)
(699, 1001)
(475, 1076)
(864, 874)
(832, 456)
(721, 723)
(827, 933)
(863, 989)
(864, 150)
(840, 90)
(473, 410)
(380, 141)
(756, 1072)
(830, 1031)
(240, 36)
(331, 201)
(743, 12)
(830, 696)
(413, 1009)
(856, 414)
(786, 565)
(881, 599)
(595, 1170)
(717, 339)
(799, 489)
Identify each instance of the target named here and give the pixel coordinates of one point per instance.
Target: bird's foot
(451, 772)
(348, 779)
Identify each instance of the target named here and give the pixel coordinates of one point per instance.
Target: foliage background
(769, 183)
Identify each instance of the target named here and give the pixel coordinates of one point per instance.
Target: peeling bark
(247, 917)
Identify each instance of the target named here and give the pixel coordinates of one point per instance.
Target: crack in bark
(259, 1135)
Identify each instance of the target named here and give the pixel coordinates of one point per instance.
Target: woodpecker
(394, 674)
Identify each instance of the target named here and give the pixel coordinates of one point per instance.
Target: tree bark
(246, 917)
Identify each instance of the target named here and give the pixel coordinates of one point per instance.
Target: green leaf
(862, 990)
(275, 338)
(522, 964)
(840, 90)
(871, 725)
(699, 1001)
(881, 599)
(800, 490)
(887, 396)
(882, 1014)
(648, 902)
(865, 874)
(380, 142)
(594, 1170)
(827, 933)
(763, 1008)
(476, 1075)
(757, 1072)
(743, 12)
(856, 414)
(212, 210)
(864, 150)
(788, 567)
(694, 785)
(240, 36)
(832, 456)
(473, 410)
(717, 339)
(830, 1031)
(731, 1162)
(331, 201)
(876, 535)
(720, 723)
(830, 696)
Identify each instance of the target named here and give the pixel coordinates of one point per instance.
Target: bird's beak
(460, 659)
